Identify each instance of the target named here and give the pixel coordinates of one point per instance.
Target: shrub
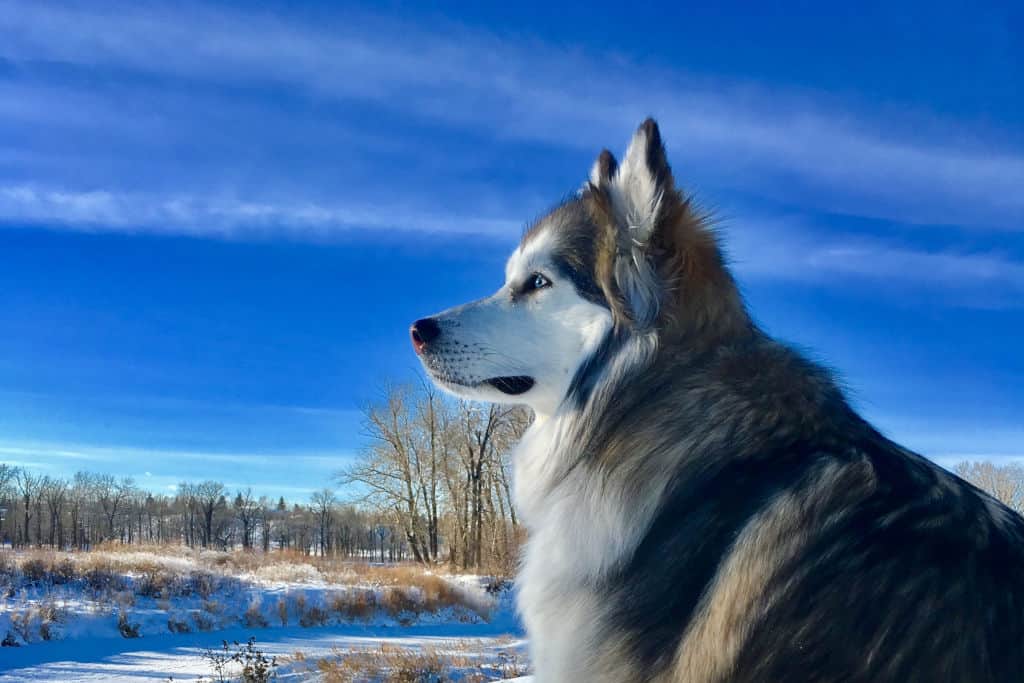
(101, 578)
(253, 618)
(21, 624)
(397, 602)
(34, 570)
(313, 616)
(438, 594)
(282, 611)
(49, 615)
(156, 582)
(175, 625)
(358, 604)
(256, 666)
(125, 627)
(8, 570)
(124, 599)
(64, 571)
(213, 607)
(204, 583)
(202, 620)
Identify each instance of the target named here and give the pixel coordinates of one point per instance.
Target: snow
(180, 656)
(86, 644)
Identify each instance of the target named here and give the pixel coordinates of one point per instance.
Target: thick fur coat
(703, 504)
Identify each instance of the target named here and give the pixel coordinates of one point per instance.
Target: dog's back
(795, 543)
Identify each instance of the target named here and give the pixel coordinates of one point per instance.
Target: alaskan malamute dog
(703, 505)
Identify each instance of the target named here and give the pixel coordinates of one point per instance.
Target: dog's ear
(633, 198)
(657, 260)
(603, 169)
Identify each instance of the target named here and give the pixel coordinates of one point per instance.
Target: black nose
(423, 332)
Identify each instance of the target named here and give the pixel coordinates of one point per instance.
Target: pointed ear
(642, 183)
(603, 169)
(638, 196)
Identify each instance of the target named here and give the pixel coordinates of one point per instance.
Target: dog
(703, 504)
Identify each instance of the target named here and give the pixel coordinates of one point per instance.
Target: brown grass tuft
(253, 618)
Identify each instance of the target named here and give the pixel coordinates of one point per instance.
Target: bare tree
(433, 463)
(245, 507)
(112, 495)
(265, 512)
(388, 468)
(209, 496)
(1005, 483)
(28, 486)
(323, 503)
(54, 492)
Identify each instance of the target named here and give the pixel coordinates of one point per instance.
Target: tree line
(87, 509)
(433, 484)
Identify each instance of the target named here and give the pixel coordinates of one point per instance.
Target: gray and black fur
(775, 535)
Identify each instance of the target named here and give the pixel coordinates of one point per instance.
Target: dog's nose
(423, 332)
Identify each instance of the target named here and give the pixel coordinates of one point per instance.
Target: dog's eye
(536, 281)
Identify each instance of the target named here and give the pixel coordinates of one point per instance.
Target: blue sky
(216, 223)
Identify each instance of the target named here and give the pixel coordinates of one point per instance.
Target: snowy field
(137, 616)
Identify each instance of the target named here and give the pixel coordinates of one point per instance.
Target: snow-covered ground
(181, 656)
(75, 630)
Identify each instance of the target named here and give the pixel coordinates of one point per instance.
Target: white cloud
(110, 211)
(772, 143)
(788, 248)
(777, 248)
(59, 451)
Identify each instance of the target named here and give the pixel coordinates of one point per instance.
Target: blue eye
(537, 281)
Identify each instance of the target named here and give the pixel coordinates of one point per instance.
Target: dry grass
(253, 617)
(384, 664)
(354, 605)
(117, 576)
(157, 564)
(109, 575)
(38, 621)
(454, 661)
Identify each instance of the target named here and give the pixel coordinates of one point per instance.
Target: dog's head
(628, 256)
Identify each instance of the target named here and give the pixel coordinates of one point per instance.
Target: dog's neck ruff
(550, 458)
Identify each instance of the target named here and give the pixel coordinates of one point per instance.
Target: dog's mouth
(513, 386)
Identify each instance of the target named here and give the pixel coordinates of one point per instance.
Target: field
(165, 613)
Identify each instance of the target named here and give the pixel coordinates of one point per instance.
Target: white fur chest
(559, 614)
(580, 526)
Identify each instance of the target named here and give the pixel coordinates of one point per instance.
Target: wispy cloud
(123, 454)
(106, 211)
(776, 248)
(772, 143)
(786, 248)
